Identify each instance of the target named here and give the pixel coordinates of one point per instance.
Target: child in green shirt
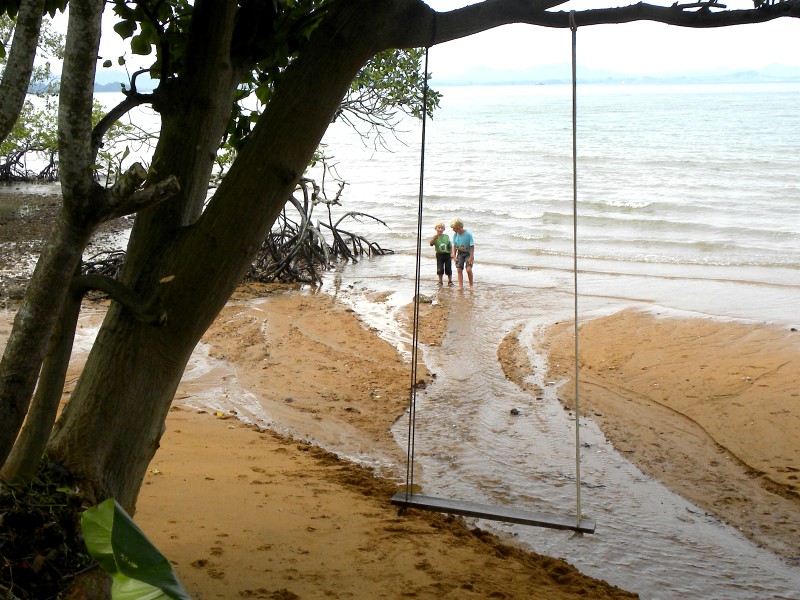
(444, 263)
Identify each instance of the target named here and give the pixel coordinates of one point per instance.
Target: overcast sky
(635, 48)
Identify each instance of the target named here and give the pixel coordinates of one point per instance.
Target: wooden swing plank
(488, 511)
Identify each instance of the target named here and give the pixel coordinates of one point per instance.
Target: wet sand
(709, 408)
(243, 512)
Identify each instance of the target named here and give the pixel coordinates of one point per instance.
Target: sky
(631, 48)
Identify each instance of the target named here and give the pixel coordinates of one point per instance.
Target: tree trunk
(24, 458)
(17, 74)
(34, 323)
(133, 370)
(111, 427)
(85, 206)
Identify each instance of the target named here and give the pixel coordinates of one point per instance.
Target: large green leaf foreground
(139, 570)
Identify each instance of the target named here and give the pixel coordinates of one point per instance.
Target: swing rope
(574, 28)
(407, 498)
(412, 401)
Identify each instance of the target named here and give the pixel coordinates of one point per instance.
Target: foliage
(51, 7)
(271, 33)
(39, 536)
(51, 47)
(31, 149)
(274, 31)
(34, 135)
(392, 81)
(139, 570)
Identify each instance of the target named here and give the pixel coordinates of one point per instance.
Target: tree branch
(494, 13)
(123, 199)
(131, 100)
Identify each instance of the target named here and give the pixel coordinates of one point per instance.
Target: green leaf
(107, 64)
(140, 45)
(125, 29)
(124, 588)
(97, 524)
(123, 550)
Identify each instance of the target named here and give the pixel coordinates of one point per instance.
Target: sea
(686, 202)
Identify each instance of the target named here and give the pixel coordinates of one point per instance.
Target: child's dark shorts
(461, 259)
(444, 265)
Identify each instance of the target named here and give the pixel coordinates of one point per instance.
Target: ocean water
(696, 182)
(688, 204)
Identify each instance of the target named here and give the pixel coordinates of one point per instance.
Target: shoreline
(753, 510)
(211, 540)
(707, 407)
(272, 516)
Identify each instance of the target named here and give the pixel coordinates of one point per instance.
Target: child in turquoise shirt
(463, 252)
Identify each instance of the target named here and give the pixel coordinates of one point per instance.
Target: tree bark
(112, 399)
(41, 305)
(34, 323)
(22, 463)
(85, 206)
(17, 75)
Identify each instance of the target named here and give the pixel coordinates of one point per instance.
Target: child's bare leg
(461, 279)
(469, 275)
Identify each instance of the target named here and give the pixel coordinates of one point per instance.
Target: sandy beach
(707, 407)
(243, 512)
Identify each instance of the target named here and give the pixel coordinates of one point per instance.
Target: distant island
(557, 74)
(562, 73)
(108, 80)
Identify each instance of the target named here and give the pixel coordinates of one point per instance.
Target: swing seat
(490, 512)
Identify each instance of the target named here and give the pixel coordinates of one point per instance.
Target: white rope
(574, 29)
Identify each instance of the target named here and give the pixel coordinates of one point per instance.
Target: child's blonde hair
(457, 224)
(439, 224)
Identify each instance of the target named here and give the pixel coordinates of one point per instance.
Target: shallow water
(469, 446)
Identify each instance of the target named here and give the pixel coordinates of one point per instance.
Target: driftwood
(14, 167)
(295, 251)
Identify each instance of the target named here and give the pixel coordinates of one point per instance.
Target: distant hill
(107, 80)
(562, 73)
